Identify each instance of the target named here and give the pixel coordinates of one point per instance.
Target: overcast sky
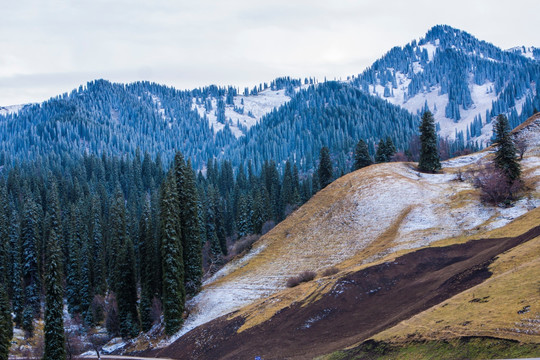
(49, 47)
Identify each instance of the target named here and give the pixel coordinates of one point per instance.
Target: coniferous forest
(119, 237)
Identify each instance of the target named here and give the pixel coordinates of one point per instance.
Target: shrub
(267, 226)
(243, 244)
(496, 187)
(304, 276)
(330, 271)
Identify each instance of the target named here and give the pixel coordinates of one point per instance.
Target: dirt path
(359, 306)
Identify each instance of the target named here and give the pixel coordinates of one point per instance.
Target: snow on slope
(352, 214)
(527, 51)
(11, 109)
(255, 107)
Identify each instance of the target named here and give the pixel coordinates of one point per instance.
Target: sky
(48, 47)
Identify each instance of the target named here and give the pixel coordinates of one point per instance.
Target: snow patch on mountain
(430, 48)
(246, 112)
(11, 109)
(527, 51)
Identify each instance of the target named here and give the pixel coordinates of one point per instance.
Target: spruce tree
(380, 155)
(172, 258)
(325, 168)
(30, 269)
(146, 260)
(16, 270)
(127, 292)
(6, 323)
(190, 227)
(390, 149)
(361, 156)
(4, 236)
(73, 267)
(429, 154)
(118, 237)
(98, 251)
(506, 158)
(54, 315)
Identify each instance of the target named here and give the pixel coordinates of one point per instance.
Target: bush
(304, 276)
(267, 226)
(330, 271)
(243, 244)
(496, 187)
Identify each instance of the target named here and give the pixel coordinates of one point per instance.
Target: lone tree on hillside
(506, 158)
(385, 150)
(429, 155)
(325, 168)
(361, 156)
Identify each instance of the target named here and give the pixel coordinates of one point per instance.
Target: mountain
(465, 82)
(396, 255)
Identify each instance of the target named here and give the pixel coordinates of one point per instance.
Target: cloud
(50, 45)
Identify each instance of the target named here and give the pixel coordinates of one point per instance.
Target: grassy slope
(363, 218)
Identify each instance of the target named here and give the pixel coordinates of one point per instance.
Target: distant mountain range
(465, 82)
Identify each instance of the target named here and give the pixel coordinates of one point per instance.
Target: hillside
(364, 219)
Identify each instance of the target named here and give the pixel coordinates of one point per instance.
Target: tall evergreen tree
(146, 244)
(118, 237)
(381, 154)
(506, 154)
(6, 323)
(429, 154)
(361, 155)
(325, 168)
(390, 149)
(172, 258)
(190, 227)
(98, 251)
(30, 269)
(54, 315)
(127, 292)
(16, 263)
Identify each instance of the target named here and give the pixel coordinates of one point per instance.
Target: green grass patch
(461, 348)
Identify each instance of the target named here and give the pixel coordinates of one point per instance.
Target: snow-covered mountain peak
(463, 81)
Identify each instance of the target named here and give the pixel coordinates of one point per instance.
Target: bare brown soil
(360, 305)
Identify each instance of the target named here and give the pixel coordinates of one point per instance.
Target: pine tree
(6, 324)
(390, 149)
(30, 270)
(98, 251)
(429, 154)
(380, 155)
(54, 315)
(172, 258)
(147, 268)
(506, 158)
(118, 237)
(325, 168)
(361, 156)
(16, 263)
(190, 227)
(127, 292)
(73, 268)
(4, 236)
